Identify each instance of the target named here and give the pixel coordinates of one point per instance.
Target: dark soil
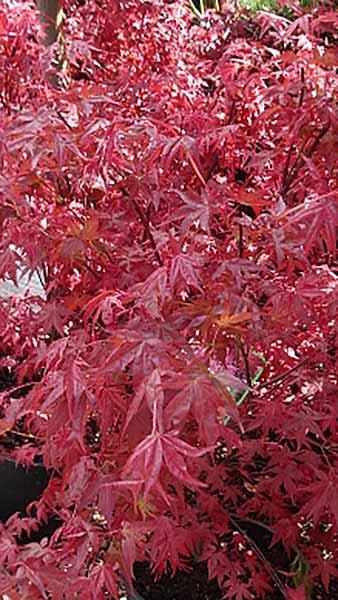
(184, 586)
(19, 487)
(195, 586)
(192, 585)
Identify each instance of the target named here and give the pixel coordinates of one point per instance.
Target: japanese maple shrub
(176, 194)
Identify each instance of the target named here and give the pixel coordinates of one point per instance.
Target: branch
(51, 17)
(145, 224)
(283, 376)
(268, 567)
(302, 92)
(245, 354)
(307, 152)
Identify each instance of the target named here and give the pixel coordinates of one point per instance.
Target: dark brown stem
(50, 11)
(45, 271)
(40, 278)
(60, 115)
(286, 169)
(261, 557)
(300, 159)
(316, 141)
(291, 174)
(245, 356)
(212, 167)
(283, 376)
(302, 91)
(51, 16)
(145, 224)
(241, 241)
(232, 112)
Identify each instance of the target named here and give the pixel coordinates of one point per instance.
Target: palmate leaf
(196, 210)
(151, 294)
(169, 544)
(323, 497)
(327, 570)
(181, 148)
(298, 593)
(150, 392)
(236, 323)
(319, 220)
(8, 549)
(54, 314)
(157, 450)
(104, 577)
(237, 589)
(183, 272)
(206, 395)
(107, 304)
(8, 263)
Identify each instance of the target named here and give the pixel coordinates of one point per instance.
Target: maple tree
(176, 194)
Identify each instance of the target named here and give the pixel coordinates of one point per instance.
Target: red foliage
(178, 199)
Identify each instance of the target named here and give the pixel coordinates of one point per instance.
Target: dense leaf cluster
(176, 194)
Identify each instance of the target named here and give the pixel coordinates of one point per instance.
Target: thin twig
(30, 436)
(60, 115)
(145, 224)
(262, 558)
(241, 241)
(232, 112)
(302, 91)
(286, 168)
(245, 355)
(307, 152)
(196, 169)
(262, 525)
(283, 376)
(317, 139)
(290, 175)
(43, 283)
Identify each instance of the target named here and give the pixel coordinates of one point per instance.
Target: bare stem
(146, 226)
(302, 91)
(262, 558)
(245, 356)
(304, 151)
(241, 241)
(283, 376)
